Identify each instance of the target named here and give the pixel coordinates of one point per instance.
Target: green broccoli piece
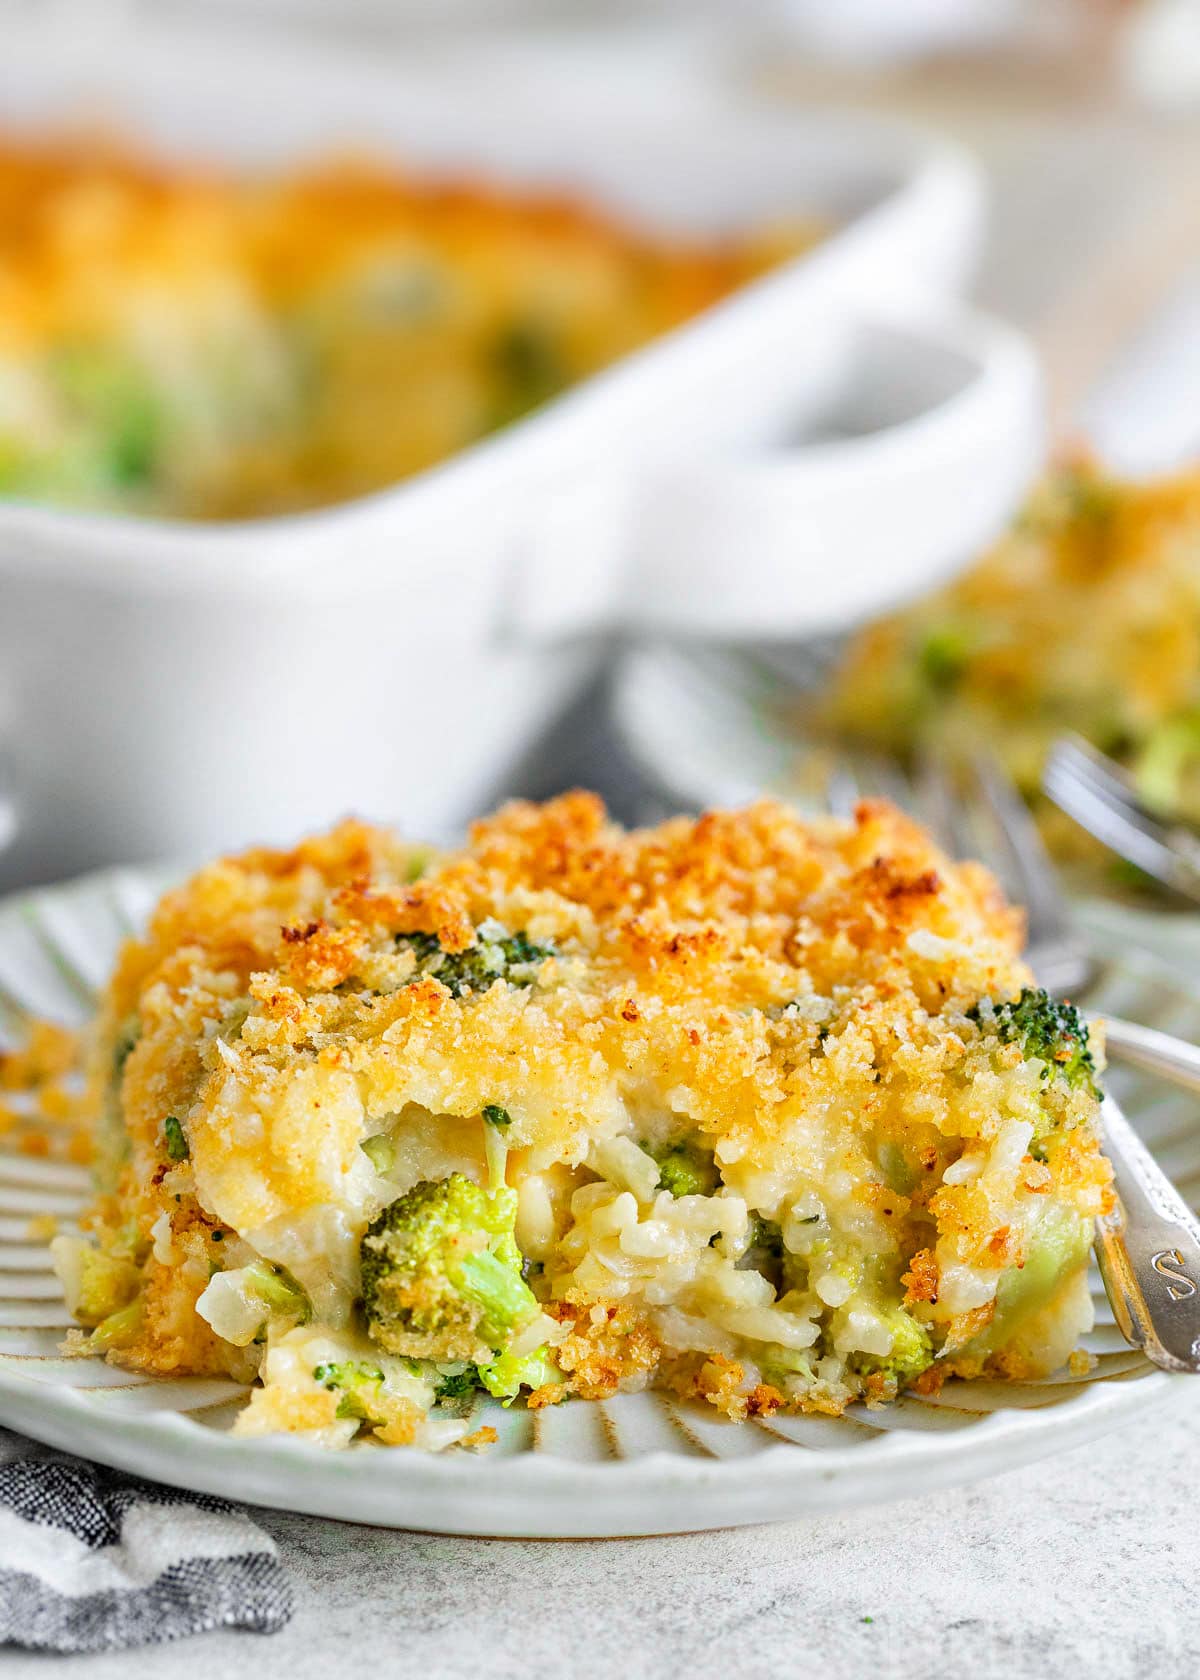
(102, 1283)
(441, 1272)
(507, 1375)
(125, 1044)
(765, 1238)
(1087, 497)
(503, 1377)
(455, 1388)
(685, 1169)
(765, 1253)
(495, 955)
(380, 1151)
(278, 1291)
(944, 656)
(898, 1171)
(119, 1330)
(113, 404)
(355, 1381)
(911, 1353)
(528, 367)
(1047, 1031)
(178, 1148)
(1166, 761)
(779, 1363)
(497, 1116)
(112, 1134)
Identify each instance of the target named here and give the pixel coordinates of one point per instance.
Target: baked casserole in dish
(762, 1112)
(178, 342)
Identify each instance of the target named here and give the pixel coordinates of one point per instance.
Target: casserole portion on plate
(753, 1110)
(1085, 617)
(180, 343)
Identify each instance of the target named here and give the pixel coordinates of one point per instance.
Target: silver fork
(1102, 798)
(1148, 1248)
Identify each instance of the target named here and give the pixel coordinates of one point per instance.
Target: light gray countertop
(1086, 1564)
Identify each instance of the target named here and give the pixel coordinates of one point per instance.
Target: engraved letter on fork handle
(1149, 1253)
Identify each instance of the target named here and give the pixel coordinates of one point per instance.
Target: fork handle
(1152, 1051)
(1148, 1250)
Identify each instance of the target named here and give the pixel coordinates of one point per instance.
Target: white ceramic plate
(641, 1464)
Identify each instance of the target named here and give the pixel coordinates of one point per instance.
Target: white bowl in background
(168, 688)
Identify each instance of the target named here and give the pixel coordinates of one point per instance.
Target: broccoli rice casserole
(763, 1112)
(177, 342)
(1085, 617)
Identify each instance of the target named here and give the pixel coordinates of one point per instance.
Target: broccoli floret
(495, 955)
(685, 1169)
(1050, 1032)
(911, 1352)
(441, 1272)
(356, 1382)
(497, 1116)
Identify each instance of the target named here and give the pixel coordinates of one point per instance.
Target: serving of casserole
(753, 1111)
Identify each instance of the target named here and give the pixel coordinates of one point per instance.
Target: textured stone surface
(1084, 1565)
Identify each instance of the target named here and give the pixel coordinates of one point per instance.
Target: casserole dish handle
(941, 427)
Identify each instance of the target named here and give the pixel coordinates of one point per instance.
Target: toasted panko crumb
(715, 1378)
(479, 1439)
(49, 1051)
(608, 1348)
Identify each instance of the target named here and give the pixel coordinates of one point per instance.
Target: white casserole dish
(168, 688)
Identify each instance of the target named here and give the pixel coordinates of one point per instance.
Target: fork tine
(1089, 754)
(1035, 879)
(1109, 782)
(1097, 806)
(880, 777)
(842, 792)
(865, 775)
(1058, 956)
(939, 807)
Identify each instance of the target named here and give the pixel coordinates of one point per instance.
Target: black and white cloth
(91, 1560)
